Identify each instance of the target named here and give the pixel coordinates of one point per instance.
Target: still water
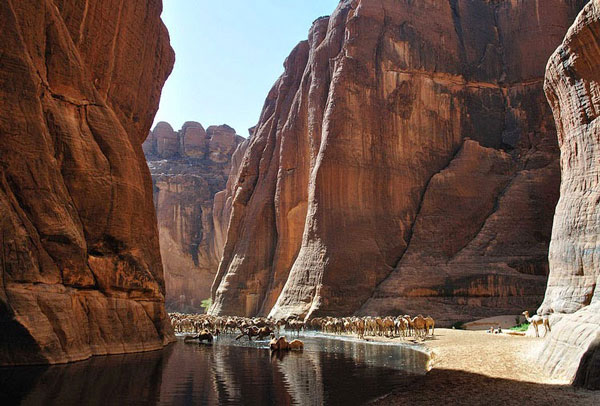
(228, 372)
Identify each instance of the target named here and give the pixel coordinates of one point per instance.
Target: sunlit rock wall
(81, 274)
(573, 299)
(405, 162)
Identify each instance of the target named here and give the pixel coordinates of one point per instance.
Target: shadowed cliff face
(573, 299)
(405, 162)
(188, 168)
(81, 272)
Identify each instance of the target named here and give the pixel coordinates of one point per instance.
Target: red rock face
(81, 271)
(186, 176)
(405, 162)
(573, 298)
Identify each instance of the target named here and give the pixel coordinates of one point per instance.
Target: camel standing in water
(202, 336)
(281, 344)
(538, 320)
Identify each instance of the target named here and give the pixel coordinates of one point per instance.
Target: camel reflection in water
(226, 372)
(302, 375)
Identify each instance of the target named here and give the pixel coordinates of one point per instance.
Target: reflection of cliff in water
(188, 377)
(115, 379)
(346, 372)
(227, 372)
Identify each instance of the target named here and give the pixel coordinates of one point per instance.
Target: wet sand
(476, 368)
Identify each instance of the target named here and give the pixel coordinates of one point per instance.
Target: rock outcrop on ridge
(405, 162)
(573, 296)
(81, 274)
(188, 168)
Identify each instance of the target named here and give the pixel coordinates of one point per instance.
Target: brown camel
(429, 324)
(263, 332)
(419, 326)
(250, 332)
(202, 336)
(281, 344)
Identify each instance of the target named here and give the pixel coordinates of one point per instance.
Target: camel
(250, 332)
(203, 335)
(430, 323)
(401, 326)
(263, 332)
(281, 344)
(538, 320)
(360, 328)
(419, 325)
(388, 326)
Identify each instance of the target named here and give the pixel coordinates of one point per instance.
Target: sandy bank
(473, 368)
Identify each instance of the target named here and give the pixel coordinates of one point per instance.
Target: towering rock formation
(573, 295)
(188, 168)
(406, 161)
(80, 269)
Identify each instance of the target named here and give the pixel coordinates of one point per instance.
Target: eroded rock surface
(81, 272)
(188, 168)
(405, 162)
(573, 298)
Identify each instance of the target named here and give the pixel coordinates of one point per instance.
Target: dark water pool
(328, 371)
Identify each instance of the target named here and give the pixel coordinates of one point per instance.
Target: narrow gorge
(421, 168)
(189, 167)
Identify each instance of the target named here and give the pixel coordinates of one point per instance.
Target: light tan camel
(538, 320)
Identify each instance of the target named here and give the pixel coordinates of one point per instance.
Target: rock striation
(405, 162)
(573, 298)
(81, 273)
(188, 168)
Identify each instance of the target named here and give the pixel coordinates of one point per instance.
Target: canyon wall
(81, 271)
(573, 298)
(188, 168)
(405, 162)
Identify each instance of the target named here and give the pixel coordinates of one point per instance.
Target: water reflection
(227, 372)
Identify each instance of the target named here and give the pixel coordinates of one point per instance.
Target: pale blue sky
(228, 55)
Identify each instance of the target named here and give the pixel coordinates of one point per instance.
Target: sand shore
(476, 368)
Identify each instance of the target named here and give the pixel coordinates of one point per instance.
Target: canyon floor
(474, 367)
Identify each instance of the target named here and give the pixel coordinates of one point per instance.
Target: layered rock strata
(573, 299)
(188, 168)
(405, 162)
(81, 273)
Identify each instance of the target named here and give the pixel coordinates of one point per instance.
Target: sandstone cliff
(188, 168)
(405, 162)
(573, 298)
(81, 273)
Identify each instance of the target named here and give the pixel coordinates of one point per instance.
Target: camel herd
(405, 326)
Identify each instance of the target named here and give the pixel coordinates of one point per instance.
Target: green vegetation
(520, 327)
(206, 303)
(459, 325)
